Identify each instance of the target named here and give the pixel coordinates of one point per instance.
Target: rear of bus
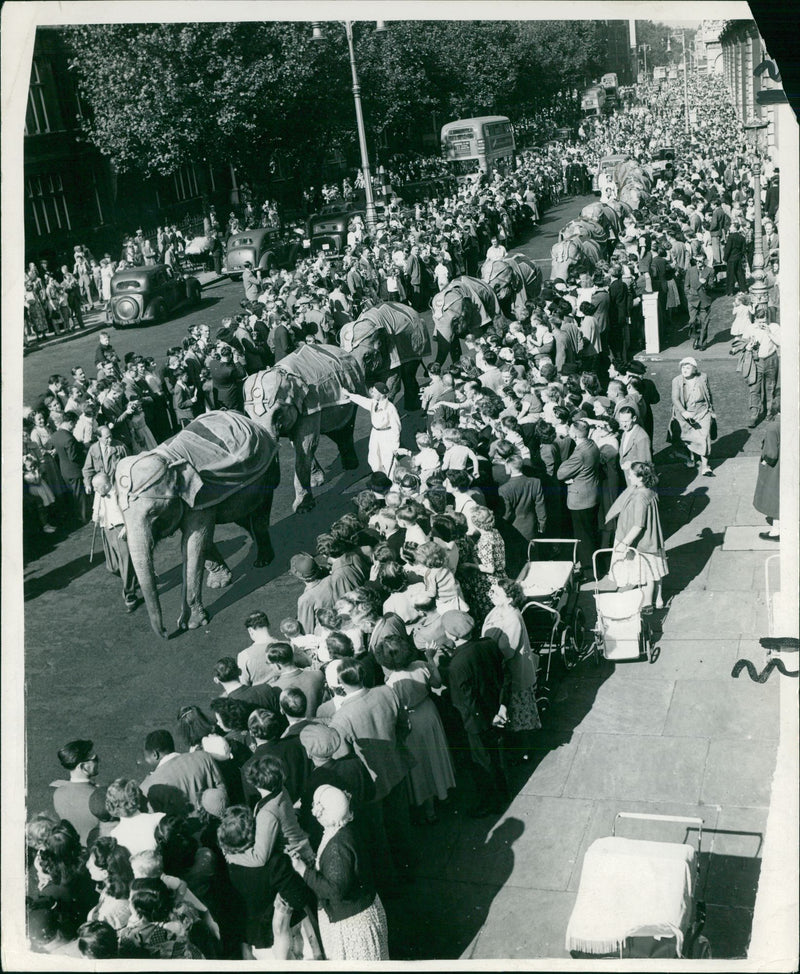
(472, 146)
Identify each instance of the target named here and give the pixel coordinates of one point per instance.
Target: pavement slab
(745, 537)
(615, 706)
(734, 571)
(735, 848)
(688, 658)
(739, 772)
(551, 761)
(720, 613)
(714, 709)
(538, 919)
(651, 769)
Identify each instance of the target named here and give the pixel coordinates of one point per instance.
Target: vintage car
(326, 231)
(264, 247)
(607, 165)
(149, 294)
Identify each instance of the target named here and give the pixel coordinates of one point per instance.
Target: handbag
(712, 432)
(674, 432)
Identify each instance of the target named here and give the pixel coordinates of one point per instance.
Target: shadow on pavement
(64, 575)
(416, 931)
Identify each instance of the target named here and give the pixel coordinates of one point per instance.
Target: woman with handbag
(639, 528)
(693, 420)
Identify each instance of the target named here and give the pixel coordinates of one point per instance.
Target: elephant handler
(384, 439)
(107, 515)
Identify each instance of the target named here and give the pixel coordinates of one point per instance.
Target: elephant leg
(408, 375)
(219, 575)
(343, 438)
(305, 448)
(197, 538)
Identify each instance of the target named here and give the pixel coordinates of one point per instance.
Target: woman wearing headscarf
(639, 528)
(352, 920)
(693, 412)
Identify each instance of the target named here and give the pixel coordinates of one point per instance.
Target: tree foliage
(161, 95)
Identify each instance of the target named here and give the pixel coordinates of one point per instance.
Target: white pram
(621, 632)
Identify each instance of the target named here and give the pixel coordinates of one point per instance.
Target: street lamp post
(644, 48)
(758, 289)
(687, 125)
(371, 216)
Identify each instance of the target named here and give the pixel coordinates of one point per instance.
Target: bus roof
(473, 121)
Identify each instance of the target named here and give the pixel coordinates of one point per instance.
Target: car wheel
(159, 311)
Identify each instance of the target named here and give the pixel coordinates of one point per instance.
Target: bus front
(460, 150)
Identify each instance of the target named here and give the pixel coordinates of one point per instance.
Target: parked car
(326, 231)
(264, 247)
(149, 294)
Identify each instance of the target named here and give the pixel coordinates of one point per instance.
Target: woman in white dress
(384, 440)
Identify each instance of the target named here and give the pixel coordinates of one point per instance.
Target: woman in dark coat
(768, 486)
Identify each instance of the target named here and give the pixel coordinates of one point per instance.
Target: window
(36, 119)
(47, 204)
(185, 183)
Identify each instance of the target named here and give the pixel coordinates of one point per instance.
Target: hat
(320, 740)
(688, 361)
(379, 482)
(636, 368)
(381, 387)
(304, 567)
(457, 624)
(42, 920)
(561, 287)
(214, 801)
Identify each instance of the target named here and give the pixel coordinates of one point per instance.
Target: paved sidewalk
(678, 736)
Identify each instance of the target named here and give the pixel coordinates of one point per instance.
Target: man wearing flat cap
(317, 594)
(475, 678)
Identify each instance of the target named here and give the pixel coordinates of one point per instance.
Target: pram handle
(606, 551)
(646, 817)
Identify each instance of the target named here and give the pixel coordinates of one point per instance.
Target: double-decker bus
(478, 145)
(610, 84)
(593, 101)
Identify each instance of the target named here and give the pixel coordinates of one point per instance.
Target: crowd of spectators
(289, 814)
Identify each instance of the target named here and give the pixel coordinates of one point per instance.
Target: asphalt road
(92, 671)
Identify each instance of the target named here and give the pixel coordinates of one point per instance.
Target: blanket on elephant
(482, 296)
(407, 332)
(310, 379)
(197, 246)
(218, 453)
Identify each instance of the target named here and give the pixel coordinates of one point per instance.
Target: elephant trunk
(140, 546)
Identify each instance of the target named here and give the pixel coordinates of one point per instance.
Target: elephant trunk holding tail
(221, 468)
(301, 398)
(467, 305)
(389, 341)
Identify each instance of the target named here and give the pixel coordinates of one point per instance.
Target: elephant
(634, 184)
(389, 341)
(586, 229)
(466, 305)
(515, 279)
(221, 468)
(604, 214)
(576, 255)
(301, 397)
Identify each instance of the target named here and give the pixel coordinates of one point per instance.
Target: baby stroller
(637, 898)
(621, 632)
(549, 582)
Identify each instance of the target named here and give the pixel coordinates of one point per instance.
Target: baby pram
(637, 897)
(621, 632)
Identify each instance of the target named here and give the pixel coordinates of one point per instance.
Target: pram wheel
(573, 641)
(579, 631)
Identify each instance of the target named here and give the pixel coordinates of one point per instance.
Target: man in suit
(581, 472)
(522, 510)
(718, 226)
(70, 463)
(734, 254)
(102, 457)
(474, 675)
(699, 280)
(266, 729)
(634, 444)
(177, 780)
(311, 682)
(366, 720)
(619, 309)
